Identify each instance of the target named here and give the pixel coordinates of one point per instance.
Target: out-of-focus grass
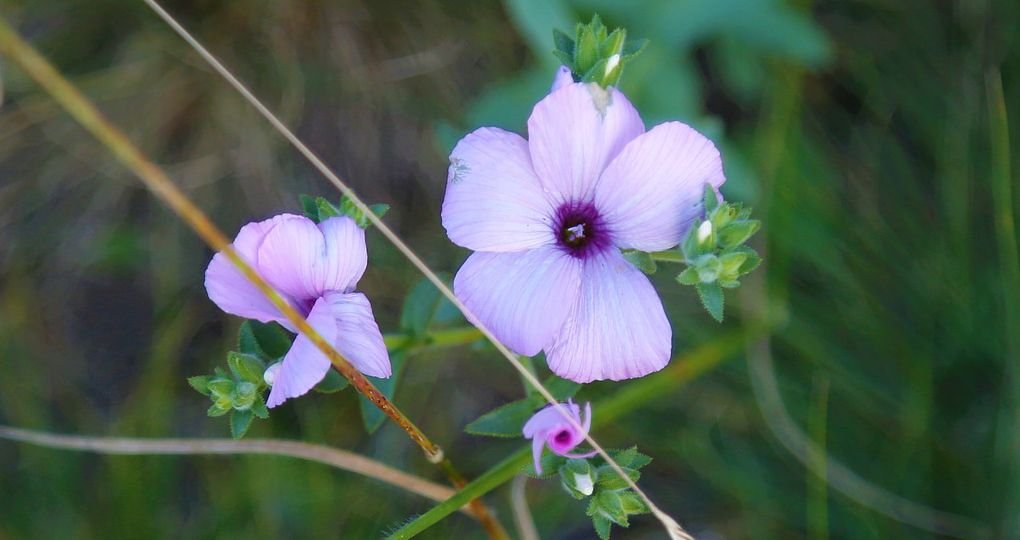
(860, 131)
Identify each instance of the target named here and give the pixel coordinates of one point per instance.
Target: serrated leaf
(259, 408)
(215, 410)
(610, 505)
(641, 259)
(564, 44)
(613, 44)
(565, 59)
(689, 276)
(333, 382)
(370, 414)
(711, 295)
(309, 208)
(504, 421)
(327, 209)
(750, 264)
(200, 383)
(738, 232)
(630, 457)
(550, 462)
(632, 504)
(247, 367)
(602, 526)
(268, 341)
(220, 386)
(608, 479)
(240, 421)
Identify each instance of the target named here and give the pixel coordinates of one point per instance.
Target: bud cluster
(594, 54)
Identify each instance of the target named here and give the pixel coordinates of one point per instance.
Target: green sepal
(711, 295)
(504, 421)
(216, 410)
(247, 367)
(709, 199)
(737, 232)
(689, 276)
(730, 263)
(308, 207)
(259, 408)
(333, 382)
(708, 267)
(641, 259)
(609, 479)
(602, 526)
(608, 505)
(244, 396)
(240, 421)
(630, 458)
(564, 44)
(327, 209)
(578, 478)
(632, 504)
(201, 384)
(220, 387)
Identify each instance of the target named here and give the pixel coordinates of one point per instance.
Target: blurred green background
(867, 134)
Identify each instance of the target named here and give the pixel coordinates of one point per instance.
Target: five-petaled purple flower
(548, 216)
(549, 428)
(315, 268)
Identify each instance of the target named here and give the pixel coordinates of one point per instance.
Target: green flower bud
(708, 267)
(737, 232)
(244, 396)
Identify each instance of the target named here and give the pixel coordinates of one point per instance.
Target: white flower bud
(270, 375)
(704, 231)
(611, 64)
(584, 484)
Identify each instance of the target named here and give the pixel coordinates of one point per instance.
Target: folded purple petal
(549, 427)
(358, 337)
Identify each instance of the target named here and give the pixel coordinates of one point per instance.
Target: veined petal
(652, 192)
(522, 298)
(494, 201)
(304, 364)
(291, 256)
(574, 132)
(229, 289)
(345, 321)
(616, 330)
(358, 337)
(345, 255)
(562, 78)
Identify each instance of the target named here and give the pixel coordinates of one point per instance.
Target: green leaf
(506, 420)
(609, 504)
(221, 387)
(217, 410)
(379, 209)
(561, 389)
(641, 259)
(586, 52)
(333, 382)
(564, 44)
(259, 408)
(632, 504)
(633, 47)
(689, 276)
(327, 209)
(551, 464)
(708, 267)
(268, 341)
(709, 199)
(613, 44)
(712, 298)
(247, 367)
(690, 247)
(200, 383)
(370, 414)
(608, 479)
(738, 232)
(630, 458)
(731, 263)
(240, 421)
(752, 262)
(419, 308)
(602, 526)
(309, 208)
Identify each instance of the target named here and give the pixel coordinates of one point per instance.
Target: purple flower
(549, 428)
(547, 218)
(315, 268)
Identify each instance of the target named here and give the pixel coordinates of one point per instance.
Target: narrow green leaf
(259, 408)
(630, 457)
(506, 420)
(200, 383)
(709, 199)
(370, 414)
(240, 421)
(613, 43)
(641, 259)
(689, 276)
(602, 526)
(633, 47)
(738, 232)
(327, 209)
(608, 479)
(309, 208)
(564, 44)
(247, 367)
(216, 410)
(712, 298)
(333, 382)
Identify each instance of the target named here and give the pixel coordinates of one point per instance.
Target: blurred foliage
(858, 130)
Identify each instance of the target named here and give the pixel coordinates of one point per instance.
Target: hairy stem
(326, 455)
(82, 110)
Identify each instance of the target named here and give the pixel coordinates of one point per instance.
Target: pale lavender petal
(494, 201)
(652, 192)
(536, 452)
(523, 298)
(304, 365)
(616, 330)
(575, 132)
(358, 337)
(229, 289)
(345, 256)
(562, 78)
(292, 257)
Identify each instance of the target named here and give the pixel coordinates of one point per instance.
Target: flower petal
(292, 257)
(494, 201)
(344, 320)
(616, 330)
(562, 78)
(229, 289)
(345, 257)
(522, 298)
(575, 132)
(358, 337)
(304, 365)
(652, 192)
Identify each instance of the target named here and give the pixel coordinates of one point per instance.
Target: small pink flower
(315, 268)
(549, 428)
(548, 216)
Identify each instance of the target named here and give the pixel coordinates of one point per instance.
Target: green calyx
(594, 54)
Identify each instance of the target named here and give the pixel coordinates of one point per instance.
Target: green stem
(680, 372)
(670, 256)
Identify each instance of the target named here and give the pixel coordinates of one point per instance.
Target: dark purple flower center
(563, 437)
(579, 229)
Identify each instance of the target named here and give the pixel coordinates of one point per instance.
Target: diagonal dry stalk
(672, 527)
(82, 110)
